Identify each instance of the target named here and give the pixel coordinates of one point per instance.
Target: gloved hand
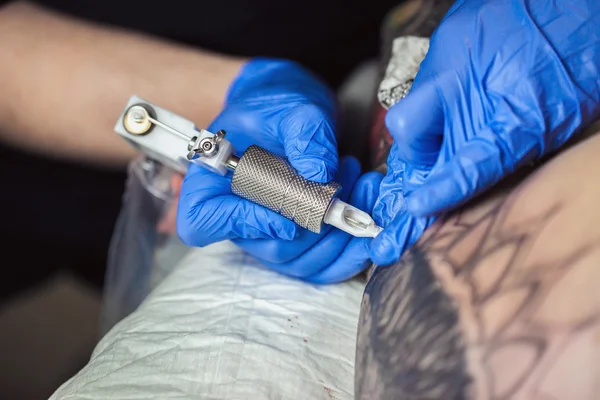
(277, 105)
(401, 229)
(503, 83)
(333, 255)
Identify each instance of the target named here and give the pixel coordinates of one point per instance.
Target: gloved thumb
(417, 125)
(208, 212)
(401, 233)
(308, 135)
(497, 151)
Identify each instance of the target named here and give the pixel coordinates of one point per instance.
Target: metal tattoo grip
(270, 181)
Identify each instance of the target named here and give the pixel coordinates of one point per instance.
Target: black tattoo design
(409, 343)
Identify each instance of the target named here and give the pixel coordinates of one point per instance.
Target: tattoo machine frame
(258, 175)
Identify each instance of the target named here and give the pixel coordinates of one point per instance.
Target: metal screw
(219, 136)
(192, 143)
(138, 116)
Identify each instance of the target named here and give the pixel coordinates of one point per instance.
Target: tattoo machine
(258, 174)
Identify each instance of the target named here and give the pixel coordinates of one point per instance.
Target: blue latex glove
(277, 105)
(504, 82)
(333, 255)
(401, 229)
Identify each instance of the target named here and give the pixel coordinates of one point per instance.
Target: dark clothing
(64, 213)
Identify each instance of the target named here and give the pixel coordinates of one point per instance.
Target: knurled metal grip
(270, 181)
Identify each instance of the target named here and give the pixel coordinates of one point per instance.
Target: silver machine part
(269, 180)
(259, 175)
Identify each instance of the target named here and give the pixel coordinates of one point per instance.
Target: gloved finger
(402, 232)
(351, 262)
(245, 129)
(400, 180)
(479, 164)
(417, 125)
(208, 212)
(338, 251)
(355, 257)
(308, 135)
(278, 251)
(391, 198)
(314, 259)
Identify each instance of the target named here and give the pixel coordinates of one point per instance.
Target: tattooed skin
(509, 300)
(409, 344)
(498, 301)
(490, 304)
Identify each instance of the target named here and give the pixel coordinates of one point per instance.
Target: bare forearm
(63, 83)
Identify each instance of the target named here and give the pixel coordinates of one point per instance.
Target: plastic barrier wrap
(140, 254)
(221, 327)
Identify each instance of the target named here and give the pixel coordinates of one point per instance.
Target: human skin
(498, 300)
(64, 82)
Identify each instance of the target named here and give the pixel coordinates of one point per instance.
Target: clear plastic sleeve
(140, 255)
